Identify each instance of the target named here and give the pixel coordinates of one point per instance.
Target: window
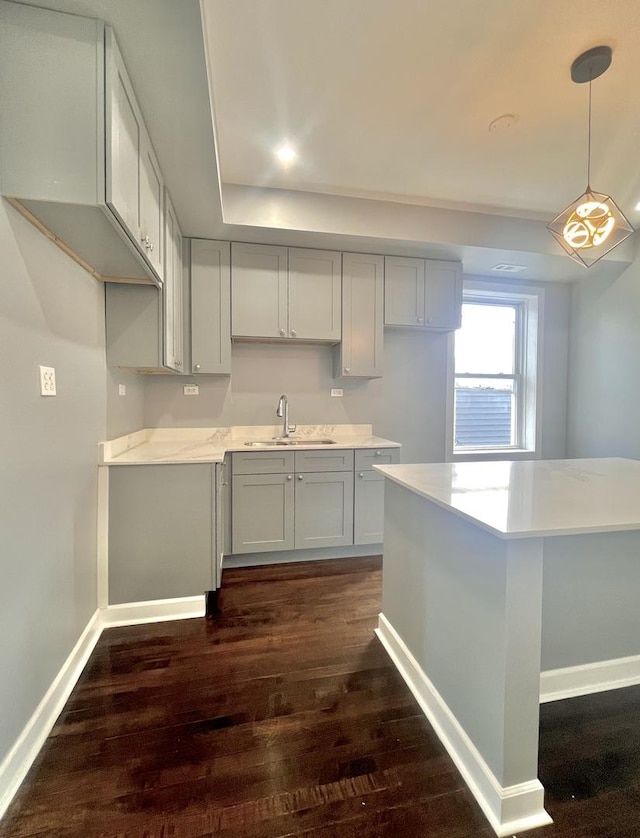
(495, 371)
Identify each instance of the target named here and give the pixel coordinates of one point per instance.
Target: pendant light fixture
(593, 224)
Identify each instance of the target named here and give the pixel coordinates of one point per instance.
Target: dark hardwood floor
(284, 717)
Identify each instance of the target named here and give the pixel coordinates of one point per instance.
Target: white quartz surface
(209, 445)
(529, 499)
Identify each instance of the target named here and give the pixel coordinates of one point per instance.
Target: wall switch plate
(336, 391)
(47, 381)
(122, 389)
(191, 390)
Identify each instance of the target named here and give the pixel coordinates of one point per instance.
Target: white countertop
(528, 499)
(209, 445)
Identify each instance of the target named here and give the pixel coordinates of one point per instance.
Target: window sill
(494, 454)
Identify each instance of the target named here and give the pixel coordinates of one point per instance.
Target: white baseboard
(508, 809)
(153, 611)
(573, 681)
(18, 761)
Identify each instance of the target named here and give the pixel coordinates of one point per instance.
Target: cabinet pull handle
(299, 477)
(150, 246)
(419, 319)
(196, 367)
(361, 474)
(282, 332)
(293, 333)
(289, 477)
(347, 369)
(378, 453)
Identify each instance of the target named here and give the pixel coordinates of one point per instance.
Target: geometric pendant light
(593, 224)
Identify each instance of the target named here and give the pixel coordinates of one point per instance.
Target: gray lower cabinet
(262, 513)
(285, 500)
(323, 509)
(368, 503)
(162, 531)
(368, 496)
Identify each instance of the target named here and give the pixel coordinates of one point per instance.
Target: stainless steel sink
(268, 443)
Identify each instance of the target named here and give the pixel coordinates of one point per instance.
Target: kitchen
(53, 314)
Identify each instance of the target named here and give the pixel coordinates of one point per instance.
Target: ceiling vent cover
(508, 269)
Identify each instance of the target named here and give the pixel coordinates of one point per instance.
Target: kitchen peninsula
(506, 584)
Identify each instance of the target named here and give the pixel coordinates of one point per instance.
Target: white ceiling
(393, 100)
(389, 104)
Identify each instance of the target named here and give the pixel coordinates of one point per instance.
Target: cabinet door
(173, 291)
(161, 531)
(262, 513)
(324, 509)
(443, 294)
(210, 306)
(315, 295)
(124, 132)
(368, 513)
(403, 291)
(151, 207)
(259, 290)
(362, 316)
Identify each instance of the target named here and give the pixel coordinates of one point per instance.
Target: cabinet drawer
(340, 460)
(368, 457)
(262, 462)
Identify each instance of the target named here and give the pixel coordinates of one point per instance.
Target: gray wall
(125, 414)
(51, 313)
(406, 405)
(604, 415)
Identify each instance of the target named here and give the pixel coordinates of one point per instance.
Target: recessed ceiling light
(286, 153)
(508, 269)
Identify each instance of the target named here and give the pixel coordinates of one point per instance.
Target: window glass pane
(485, 413)
(486, 342)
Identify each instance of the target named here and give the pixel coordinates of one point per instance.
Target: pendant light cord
(589, 143)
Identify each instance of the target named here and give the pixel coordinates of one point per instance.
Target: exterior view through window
(488, 376)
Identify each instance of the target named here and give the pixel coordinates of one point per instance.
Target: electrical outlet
(337, 392)
(122, 389)
(47, 381)
(191, 390)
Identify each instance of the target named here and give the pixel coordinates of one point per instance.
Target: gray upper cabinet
(315, 287)
(281, 293)
(144, 324)
(422, 293)
(173, 292)
(75, 157)
(259, 283)
(360, 353)
(210, 307)
(134, 184)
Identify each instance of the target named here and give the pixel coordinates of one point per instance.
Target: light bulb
(589, 225)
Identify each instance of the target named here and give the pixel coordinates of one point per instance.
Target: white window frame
(528, 378)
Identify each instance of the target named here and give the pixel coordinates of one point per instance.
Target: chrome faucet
(283, 412)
